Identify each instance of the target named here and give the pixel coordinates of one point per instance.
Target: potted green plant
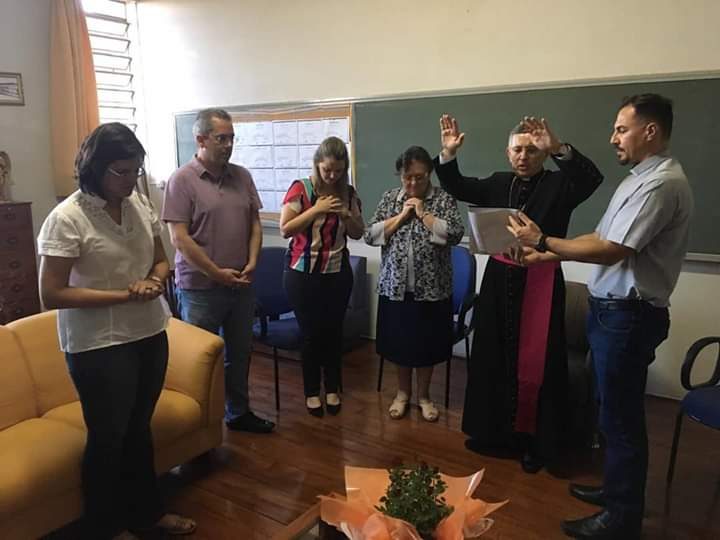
(415, 495)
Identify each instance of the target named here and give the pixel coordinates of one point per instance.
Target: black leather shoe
(589, 494)
(531, 464)
(603, 526)
(317, 412)
(250, 423)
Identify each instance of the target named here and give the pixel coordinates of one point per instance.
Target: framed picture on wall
(11, 90)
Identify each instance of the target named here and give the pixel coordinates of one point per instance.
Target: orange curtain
(73, 94)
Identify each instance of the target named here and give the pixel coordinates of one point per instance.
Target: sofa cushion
(175, 415)
(38, 338)
(38, 459)
(17, 395)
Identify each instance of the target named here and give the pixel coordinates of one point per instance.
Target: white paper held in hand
(489, 229)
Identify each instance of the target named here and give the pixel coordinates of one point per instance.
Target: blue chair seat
(703, 405)
(283, 334)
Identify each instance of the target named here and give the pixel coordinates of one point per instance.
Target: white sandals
(429, 410)
(399, 406)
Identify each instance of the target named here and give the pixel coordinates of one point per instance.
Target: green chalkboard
(582, 116)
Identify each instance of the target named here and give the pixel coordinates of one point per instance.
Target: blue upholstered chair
(276, 327)
(702, 402)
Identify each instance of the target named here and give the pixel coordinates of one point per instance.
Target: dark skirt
(414, 334)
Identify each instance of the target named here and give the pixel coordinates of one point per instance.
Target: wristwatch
(541, 245)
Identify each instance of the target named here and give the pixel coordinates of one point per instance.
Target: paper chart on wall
(285, 177)
(285, 133)
(337, 127)
(269, 201)
(259, 133)
(286, 157)
(264, 178)
(311, 132)
(305, 156)
(252, 157)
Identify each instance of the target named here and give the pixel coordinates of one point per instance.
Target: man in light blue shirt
(639, 246)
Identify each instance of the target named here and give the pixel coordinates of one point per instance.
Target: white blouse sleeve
(59, 237)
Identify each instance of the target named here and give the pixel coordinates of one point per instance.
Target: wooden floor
(255, 484)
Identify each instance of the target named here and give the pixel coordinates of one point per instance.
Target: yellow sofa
(42, 434)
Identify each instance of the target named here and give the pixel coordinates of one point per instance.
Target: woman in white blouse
(103, 267)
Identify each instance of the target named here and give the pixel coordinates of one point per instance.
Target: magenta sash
(533, 339)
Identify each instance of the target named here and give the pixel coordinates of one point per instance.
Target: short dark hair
(654, 108)
(414, 153)
(107, 143)
(203, 120)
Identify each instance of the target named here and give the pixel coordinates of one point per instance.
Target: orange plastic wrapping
(359, 520)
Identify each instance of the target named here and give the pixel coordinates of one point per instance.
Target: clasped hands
(144, 290)
(413, 205)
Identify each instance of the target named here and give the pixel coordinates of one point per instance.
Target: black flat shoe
(333, 409)
(603, 526)
(317, 412)
(589, 494)
(531, 464)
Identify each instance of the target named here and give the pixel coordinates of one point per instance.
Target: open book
(489, 229)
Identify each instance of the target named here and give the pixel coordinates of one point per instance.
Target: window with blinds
(111, 29)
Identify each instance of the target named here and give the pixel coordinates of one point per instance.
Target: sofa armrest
(195, 367)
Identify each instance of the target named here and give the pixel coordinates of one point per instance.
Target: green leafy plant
(415, 495)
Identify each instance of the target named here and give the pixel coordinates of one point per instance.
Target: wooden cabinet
(18, 268)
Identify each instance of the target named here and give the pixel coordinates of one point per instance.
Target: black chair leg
(467, 348)
(277, 380)
(673, 451)
(380, 374)
(447, 383)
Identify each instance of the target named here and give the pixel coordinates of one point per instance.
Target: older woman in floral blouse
(415, 224)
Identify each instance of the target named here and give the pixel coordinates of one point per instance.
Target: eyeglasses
(417, 178)
(222, 138)
(127, 173)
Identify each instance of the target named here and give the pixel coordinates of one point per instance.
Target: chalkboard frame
(472, 91)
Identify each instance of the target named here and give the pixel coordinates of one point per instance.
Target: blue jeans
(623, 336)
(230, 314)
(118, 388)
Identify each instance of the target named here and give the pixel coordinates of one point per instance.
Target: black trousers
(320, 301)
(119, 387)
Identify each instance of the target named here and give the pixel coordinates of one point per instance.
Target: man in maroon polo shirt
(212, 209)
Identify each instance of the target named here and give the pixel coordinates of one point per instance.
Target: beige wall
(25, 131)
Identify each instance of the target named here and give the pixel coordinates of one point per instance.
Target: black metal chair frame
(687, 367)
